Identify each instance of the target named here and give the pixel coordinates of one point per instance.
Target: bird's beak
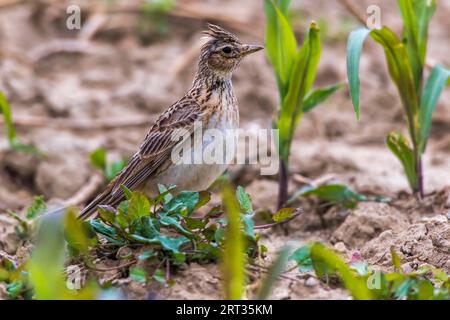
(249, 49)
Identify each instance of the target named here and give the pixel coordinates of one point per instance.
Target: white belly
(205, 165)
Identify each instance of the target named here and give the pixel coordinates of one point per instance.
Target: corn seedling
(14, 143)
(406, 64)
(295, 72)
(366, 283)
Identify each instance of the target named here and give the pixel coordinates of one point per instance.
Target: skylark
(210, 101)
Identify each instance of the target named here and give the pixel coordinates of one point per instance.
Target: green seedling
(406, 63)
(295, 72)
(14, 142)
(99, 161)
(366, 283)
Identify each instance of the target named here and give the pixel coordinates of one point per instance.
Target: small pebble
(311, 282)
(340, 247)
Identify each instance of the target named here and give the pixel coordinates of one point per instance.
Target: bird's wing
(155, 150)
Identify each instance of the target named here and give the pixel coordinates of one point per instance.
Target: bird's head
(224, 51)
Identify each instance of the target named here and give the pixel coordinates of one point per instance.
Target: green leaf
(164, 193)
(430, 97)
(107, 214)
(138, 274)
(281, 45)
(283, 214)
(146, 227)
(183, 203)
(302, 256)
(244, 199)
(275, 270)
(127, 192)
(316, 97)
(109, 232)
(147, 255)
(233, 263)
(174, 222)
(401, 73)
(401, 148)
(335, 193)
(77, 234)
(354, 50)
(204, 198)
(325, 259)
(37, 208)
(416, 18)
(14, 289)
(139, 206)
(300, 83)
(98, 159)
(5, 109)
(115, 169)
(167, 243)
(396, 261)
(160, 276)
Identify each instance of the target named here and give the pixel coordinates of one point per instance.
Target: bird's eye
(227, 50)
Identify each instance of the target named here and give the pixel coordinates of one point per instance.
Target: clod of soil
(366, 222)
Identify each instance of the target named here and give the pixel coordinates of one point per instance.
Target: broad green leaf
(37, 208)
(401, 148)
(402, 75)
(233, 261)
(109, 232)
(416, 18)
(335, 193)
(301, 81)
(172, 221)
(107, 214)
(326, 259)
(281, 45)
(183, 203)
(98, 159)
(167, 243)
(283, 214)
(139, 206)
(354, 50)
(77, 234)
(275, 270)
(430, 97)
(244, 199)
(316, 97)
(146, 227)
(302, 256)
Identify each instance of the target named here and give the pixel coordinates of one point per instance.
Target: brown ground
(125, 73)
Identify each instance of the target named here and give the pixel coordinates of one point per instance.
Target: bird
(210, 101)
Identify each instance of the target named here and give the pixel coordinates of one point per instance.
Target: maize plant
(295, 72)
(406, 58)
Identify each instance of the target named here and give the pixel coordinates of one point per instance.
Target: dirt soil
(127, 70)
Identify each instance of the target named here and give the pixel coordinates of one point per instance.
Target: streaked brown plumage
(210, 100)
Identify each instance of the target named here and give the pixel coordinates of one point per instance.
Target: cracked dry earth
(128, 75)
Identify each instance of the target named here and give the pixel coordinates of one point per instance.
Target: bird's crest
(218, 33)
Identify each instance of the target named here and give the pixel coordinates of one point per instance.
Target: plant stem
(282, 184)
(420, 180)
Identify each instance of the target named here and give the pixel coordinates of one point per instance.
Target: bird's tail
(92, 207)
